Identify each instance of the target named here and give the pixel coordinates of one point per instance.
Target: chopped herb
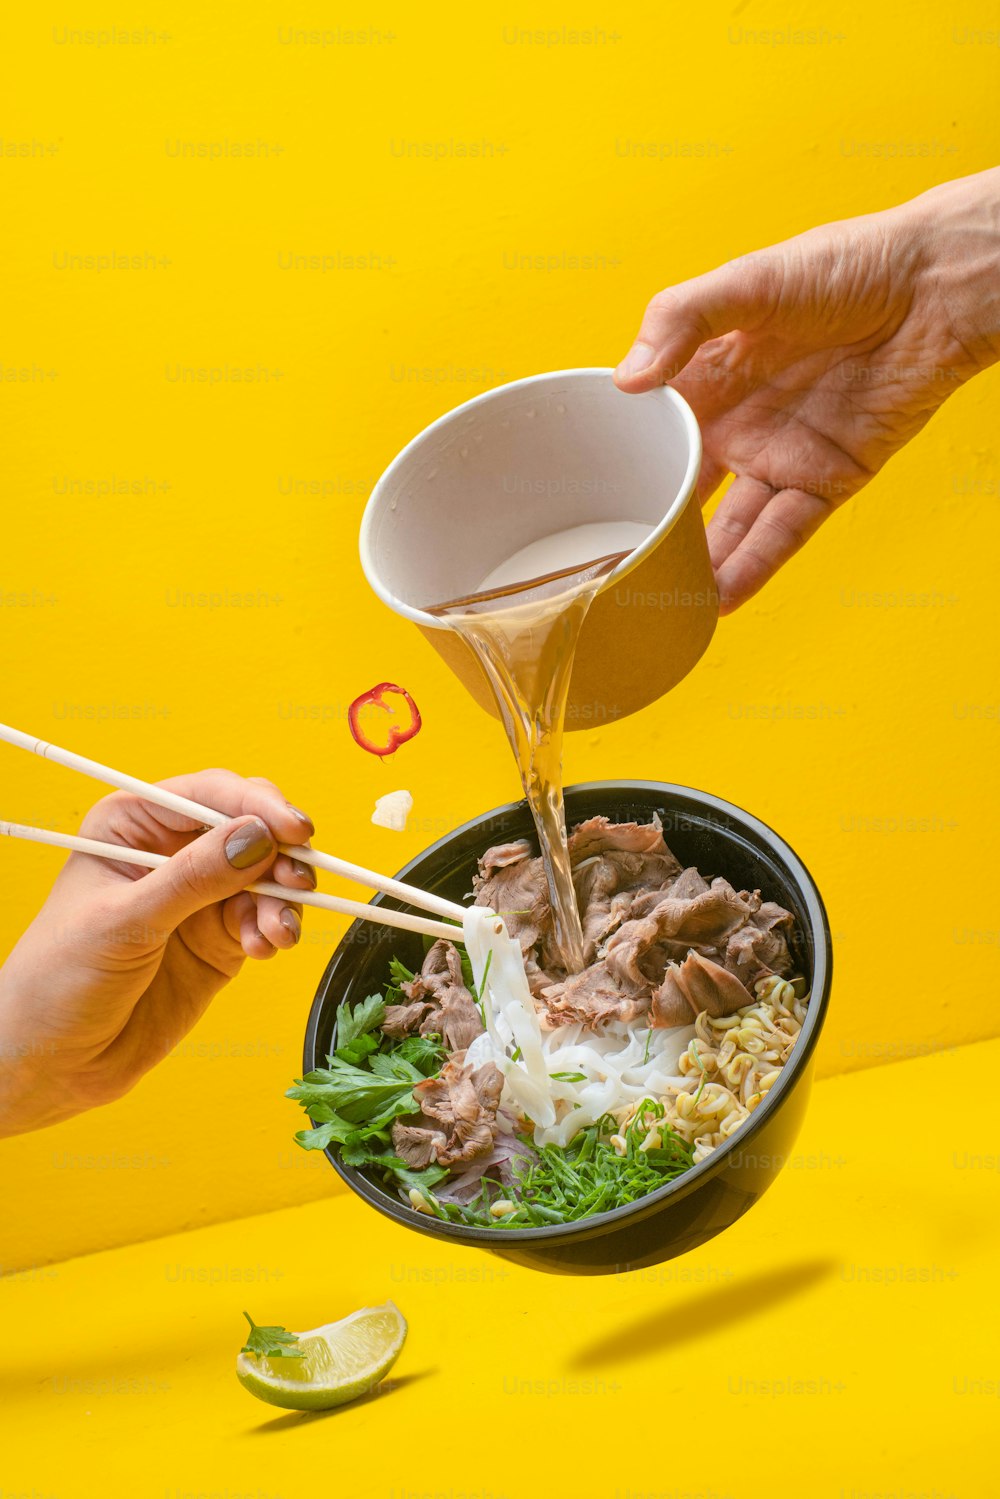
(426, 1053)
(399, 975)
(363, 1018)
(271, 1342)
(344, 1099)
(354, 1029)
(588, 1176)
(478, 993)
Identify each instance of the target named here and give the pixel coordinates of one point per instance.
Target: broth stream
(525, 641)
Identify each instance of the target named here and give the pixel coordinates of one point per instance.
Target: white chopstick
(174, 803)
(125, 855)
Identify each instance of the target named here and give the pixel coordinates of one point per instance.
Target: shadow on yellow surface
(290, 1419)
(714, 1311)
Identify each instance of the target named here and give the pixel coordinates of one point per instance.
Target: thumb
(210, 868)
(679, 320)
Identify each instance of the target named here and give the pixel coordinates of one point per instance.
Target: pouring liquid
(525, 640)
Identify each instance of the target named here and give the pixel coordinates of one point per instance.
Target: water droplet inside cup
(561, 408)
(464, 452)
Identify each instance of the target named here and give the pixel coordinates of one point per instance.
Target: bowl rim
(664, 394)
(696, 1175)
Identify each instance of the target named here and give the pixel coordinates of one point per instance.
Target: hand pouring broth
(523, 624)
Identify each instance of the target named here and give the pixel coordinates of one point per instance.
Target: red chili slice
(398, 733)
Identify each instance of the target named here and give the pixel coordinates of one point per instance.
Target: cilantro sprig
(271, 1342)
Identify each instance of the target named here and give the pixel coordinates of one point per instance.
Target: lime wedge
(341, 1361)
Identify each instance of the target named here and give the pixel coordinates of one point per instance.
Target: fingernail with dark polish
(302, 818)
(304, 872)
(250, 843)
(290, 921)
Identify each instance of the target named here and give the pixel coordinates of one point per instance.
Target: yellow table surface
(841, 1340)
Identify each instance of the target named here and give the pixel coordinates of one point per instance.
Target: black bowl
(721, 840)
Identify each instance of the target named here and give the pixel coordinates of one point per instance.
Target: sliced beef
(670, 1005)
(416, 1144)
(457, 1020)
(700, 922)
(754, 952)
(539, 979)
(595, 883)
(688, 884)
(439, 1002)
(699, 984)
(441, 970)
(501, 855)
(594, 997)
(598, 835)
(656, 935)
(458, 1116)
(760, 947)
(606, 886)
(404, 1020)
(611, 862)
(518, 892)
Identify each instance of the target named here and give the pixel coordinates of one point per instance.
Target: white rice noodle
(621, 1066)
(509, 1012)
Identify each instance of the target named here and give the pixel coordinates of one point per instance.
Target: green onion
(588, 1176)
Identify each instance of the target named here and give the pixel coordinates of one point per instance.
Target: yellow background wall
(854, 705)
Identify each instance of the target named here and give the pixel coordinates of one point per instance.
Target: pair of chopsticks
(209, 816)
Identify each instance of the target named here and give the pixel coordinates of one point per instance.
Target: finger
(124, 817)
(294, 873)
(784, 525)
(738, 509)
(681, 318)
(238, 796)
(307, 825)
(281, 921)
(208, 869)
(239, 917)
(278, 921)
(254, 944)
(233, 912)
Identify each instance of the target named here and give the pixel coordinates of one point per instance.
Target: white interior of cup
(519, 463)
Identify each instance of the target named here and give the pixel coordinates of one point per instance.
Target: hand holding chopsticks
(114, 971)
(210, 817)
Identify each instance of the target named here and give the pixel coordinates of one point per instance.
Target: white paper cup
(532, 458)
